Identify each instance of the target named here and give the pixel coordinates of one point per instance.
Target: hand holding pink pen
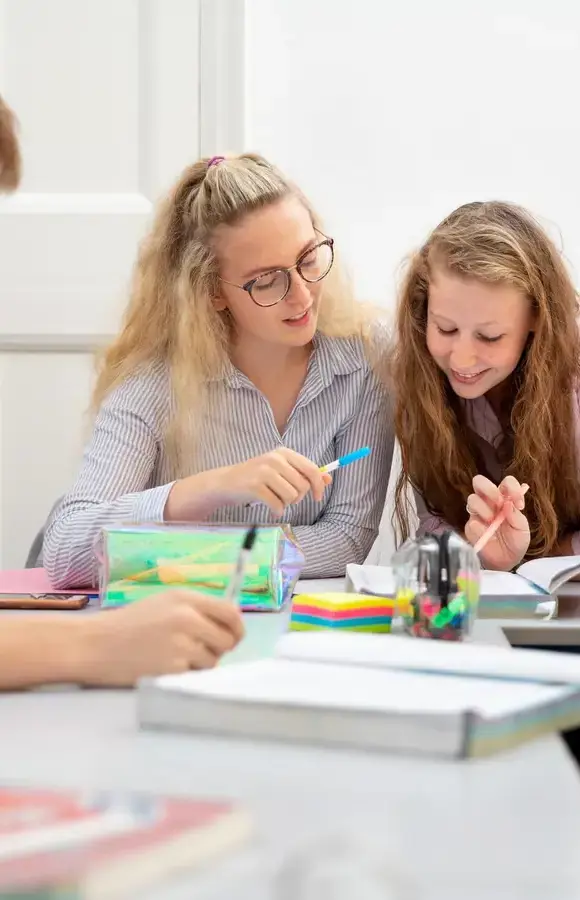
(497, 526)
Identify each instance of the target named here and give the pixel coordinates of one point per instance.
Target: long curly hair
(170, 317)
(491, 242)
(10, 159)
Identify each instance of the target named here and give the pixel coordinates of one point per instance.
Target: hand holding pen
(497, 526)
(277, 479)
(320, 475)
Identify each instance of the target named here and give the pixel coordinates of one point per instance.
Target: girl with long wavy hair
(486, 372)
(242, 367)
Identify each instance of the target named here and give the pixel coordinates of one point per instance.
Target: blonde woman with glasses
(242, 367)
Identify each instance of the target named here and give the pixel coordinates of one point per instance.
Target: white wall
(390, 115)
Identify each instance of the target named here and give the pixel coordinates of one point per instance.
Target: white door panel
(108, 97)
(76, 281)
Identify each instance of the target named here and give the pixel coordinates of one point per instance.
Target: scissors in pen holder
(437, 580)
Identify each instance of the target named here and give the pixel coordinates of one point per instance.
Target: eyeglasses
(271, 287)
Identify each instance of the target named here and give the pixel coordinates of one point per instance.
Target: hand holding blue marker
(337, 464)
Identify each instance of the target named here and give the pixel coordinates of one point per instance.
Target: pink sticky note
(29, 581)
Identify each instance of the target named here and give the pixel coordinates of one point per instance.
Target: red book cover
(109, 845)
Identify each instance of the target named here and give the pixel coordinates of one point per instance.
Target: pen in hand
(336, 464)
(236, 581)
(495, 524)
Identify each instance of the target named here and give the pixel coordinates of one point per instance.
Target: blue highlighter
(345, 460)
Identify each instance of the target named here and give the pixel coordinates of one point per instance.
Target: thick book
(107, 846)
(521, 594)
(339, 690)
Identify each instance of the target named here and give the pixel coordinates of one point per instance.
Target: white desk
(506, 827)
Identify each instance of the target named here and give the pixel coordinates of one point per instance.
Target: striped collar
(330, 357)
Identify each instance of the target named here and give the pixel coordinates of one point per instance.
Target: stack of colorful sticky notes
(355, 612)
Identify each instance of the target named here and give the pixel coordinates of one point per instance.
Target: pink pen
(497, 522)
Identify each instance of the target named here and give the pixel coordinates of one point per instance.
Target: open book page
(552, 572)
(377, 580)
(380, 580)
(285, 682)
(502, 584)
(401, 652)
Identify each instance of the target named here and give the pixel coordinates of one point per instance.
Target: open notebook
(503, 594)
(338, 690)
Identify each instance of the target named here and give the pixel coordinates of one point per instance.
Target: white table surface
(506, 827)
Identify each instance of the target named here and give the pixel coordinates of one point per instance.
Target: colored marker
(345, 460)
(235, 583)
(496, 523)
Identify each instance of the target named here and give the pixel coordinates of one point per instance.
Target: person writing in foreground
(171, 632)
(241, 368)
(486, 371)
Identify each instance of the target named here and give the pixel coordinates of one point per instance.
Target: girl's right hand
(510, 543)
(279, 479)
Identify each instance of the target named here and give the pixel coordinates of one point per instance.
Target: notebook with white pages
(319, 585)
(462, 658)
(527, 592)
(374, 692)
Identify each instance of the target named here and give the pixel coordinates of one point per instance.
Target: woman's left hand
(509, 544)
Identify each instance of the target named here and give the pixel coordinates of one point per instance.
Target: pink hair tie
(215, 160)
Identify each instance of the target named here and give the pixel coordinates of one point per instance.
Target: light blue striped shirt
(125, 474)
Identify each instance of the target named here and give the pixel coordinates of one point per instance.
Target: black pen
(236, 581)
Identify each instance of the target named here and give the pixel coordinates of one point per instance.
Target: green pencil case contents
(137, 560)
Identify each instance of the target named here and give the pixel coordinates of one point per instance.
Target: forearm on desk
(44, 649)
(71, 536)
(113, 482)
(69, 543)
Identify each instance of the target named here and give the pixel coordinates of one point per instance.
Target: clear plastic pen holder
(425, 610)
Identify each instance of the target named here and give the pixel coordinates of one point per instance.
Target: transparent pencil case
(137, 560)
